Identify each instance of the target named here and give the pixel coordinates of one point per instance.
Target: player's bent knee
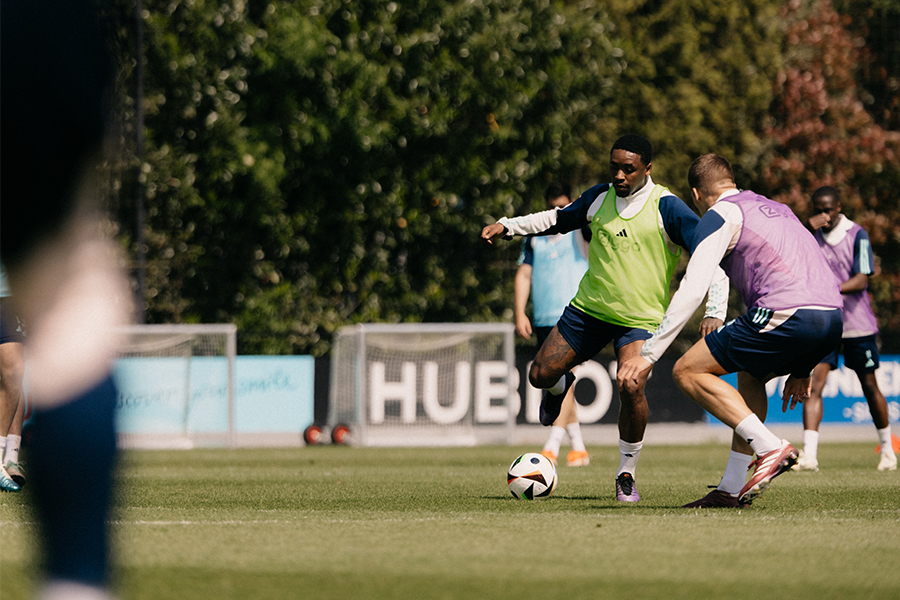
(681, 373)
(11, 374)
(540, 377)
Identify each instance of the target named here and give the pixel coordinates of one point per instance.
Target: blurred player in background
(63, 276)
(12, 394)
(849, 254)
(793, 320)
(550, 268)
(638, 229)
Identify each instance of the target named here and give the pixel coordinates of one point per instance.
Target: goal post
(412, 384)
(176, 385)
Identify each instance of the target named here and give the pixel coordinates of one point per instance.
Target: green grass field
(337, 522)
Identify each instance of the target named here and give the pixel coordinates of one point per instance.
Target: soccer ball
(531, 476)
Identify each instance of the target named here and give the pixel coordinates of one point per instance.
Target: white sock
(757, 435)
(13, 442)
(555, 439)
(2, 447)
(574, 431)
(884, 436)
(559, 387)
(735, 473)
(810, 443)
(70, 590)
(629, 453)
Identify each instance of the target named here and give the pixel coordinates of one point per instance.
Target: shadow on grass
(610, 503)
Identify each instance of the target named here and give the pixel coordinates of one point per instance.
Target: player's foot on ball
(6, 482)
(768, 466)
(578, 458)
(14, 470)
(552, 403)
(717, 499)
(549, 456)
(806, 463)
(625, 488)
(888, 462)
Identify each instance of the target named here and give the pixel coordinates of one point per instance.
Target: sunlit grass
(336, 522)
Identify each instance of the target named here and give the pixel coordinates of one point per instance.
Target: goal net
(176, 385)
(414, 384)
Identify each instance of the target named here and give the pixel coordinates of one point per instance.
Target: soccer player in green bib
(638, 230)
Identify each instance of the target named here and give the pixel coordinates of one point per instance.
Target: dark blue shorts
(12, 328)
(860, 354)
(588, 335)
(794, 347)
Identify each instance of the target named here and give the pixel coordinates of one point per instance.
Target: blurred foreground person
(63, 277)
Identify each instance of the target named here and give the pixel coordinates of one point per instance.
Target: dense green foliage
(409, 523)
(317, 163)
(321, 163)
(820, 133)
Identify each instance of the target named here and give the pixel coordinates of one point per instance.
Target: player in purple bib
(793, 321)
(849, 254)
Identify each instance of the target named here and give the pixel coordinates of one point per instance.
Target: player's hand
(709, 324)
(632, 371)
(818, 221)
(492, 232)
(796, 389)
(523, 327)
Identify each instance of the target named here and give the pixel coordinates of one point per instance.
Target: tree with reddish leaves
(821, 134)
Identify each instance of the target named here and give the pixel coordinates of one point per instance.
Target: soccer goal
(176, 385)
(413, 384)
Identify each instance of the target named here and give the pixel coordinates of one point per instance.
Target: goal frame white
(360, 429)
(229, 330)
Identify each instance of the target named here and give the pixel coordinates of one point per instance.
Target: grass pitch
(337, 522)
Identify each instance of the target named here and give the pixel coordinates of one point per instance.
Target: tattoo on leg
(556, 354)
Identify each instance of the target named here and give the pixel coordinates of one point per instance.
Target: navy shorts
(588, 335)
(860, 354)
(793, 347)
(12, 328)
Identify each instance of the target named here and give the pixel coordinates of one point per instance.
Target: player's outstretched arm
(492, 232)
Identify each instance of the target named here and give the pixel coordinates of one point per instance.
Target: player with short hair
(793, 320)
(554, 264)
(848, 251)
(638, 230)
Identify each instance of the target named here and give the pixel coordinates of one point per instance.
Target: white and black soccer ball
(531, 476)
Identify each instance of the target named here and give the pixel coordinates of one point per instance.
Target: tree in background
(407, 127)
(698, 79)
(317, 163)
(210, 183)
(821, 134)
(876, 23)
